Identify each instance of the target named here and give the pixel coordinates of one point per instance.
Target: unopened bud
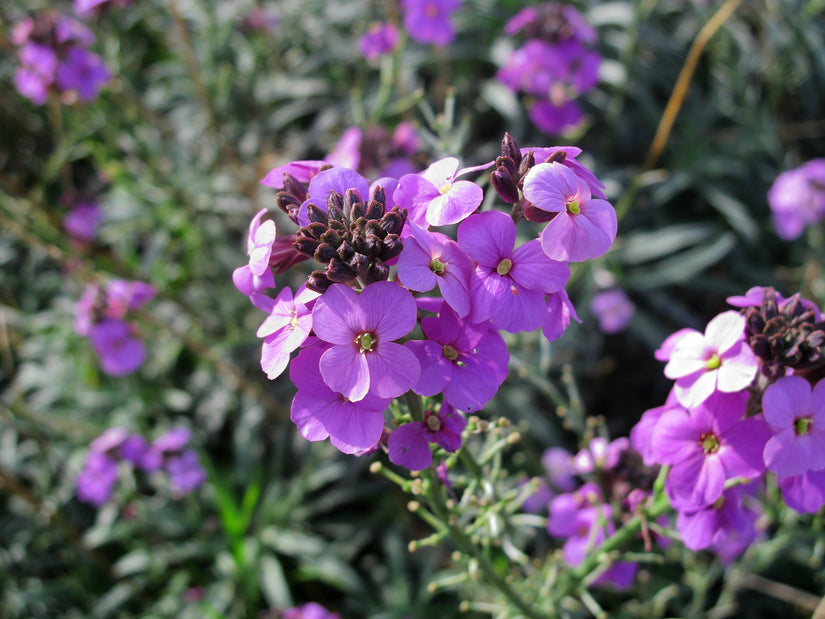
(316, 215)
(505, 186)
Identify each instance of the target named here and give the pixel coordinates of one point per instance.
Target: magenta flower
(250, 284)
(797, 199)
(38, 65)
(321, 413)
(361, 328)
(560, 312)
(259, 243)
(797, 417)
(465, 361)
(118, 351)
(707, 446)
(612, 309)
(409, 444)
(435, 196)
(97, 480)
(380, 39)
(599, 454)
(509, 285)
(428, 21)
(584, 227)
(715, 522)
(719, 360)
(185, 472)
(431, 259)
(83, 72)
(285, 329)
(125, 295)
(82, 221)
(804, 493)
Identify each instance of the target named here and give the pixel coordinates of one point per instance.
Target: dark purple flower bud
(295, 187)
(393, 222)
(284, 255)
(392, 246)
(339, 272)
(335, 205)
(505, 186)
(510, 149)
(314, 230)
(306, 246)
(527, 164)
(318, 282)
(325, 253)
(345, 251)
(377, 272)
(353, 205)
(316, 215)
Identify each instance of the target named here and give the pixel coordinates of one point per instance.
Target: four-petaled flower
(409, 444)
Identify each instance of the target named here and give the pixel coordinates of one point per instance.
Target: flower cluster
(54, 57)
(556, 64)
(169, 453)
(747, 401)
(797, 199)
(100, 316)
(399, 306)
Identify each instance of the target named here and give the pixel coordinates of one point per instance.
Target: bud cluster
(355, 240)
(785, 333)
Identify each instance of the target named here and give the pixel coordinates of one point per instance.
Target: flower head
(409, 444)
(428, 21)
(613, 310)
(364, 357)
(797, 199)
(380, 39)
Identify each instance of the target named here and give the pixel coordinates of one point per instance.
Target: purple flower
(432, 258)
(69, 30)
(97, 480)
(320, 413)
(719, 360)
(82, 221)
(613, 310)
(797, 417)
(554, 118)
(285, 329)
(584, 227)
(380, 39)
(509, 285)
(428, 21)
(119, 352)
(558, 463)
(38, 64)
(250, 284)
(134, 449)
(409, 444)
(310, 610)
(713, 523)
(707, 446)
(361, 328)
(804, 493)
(465, 361)
(185, 472)
(797, 199)
(109, 441)
(560, 312)
(83, 72)
(123, 295)
(435, 197)
(259, 243)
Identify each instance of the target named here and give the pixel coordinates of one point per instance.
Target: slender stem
(466, 546)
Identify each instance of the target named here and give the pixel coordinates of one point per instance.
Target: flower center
(503, 267)
(449, 352)
(294, 321)
(573, 207)
(433, 423)
(366, 341)
(438, 267)
(802, 426)
(445, 188)
(713, 363)
(710, 444)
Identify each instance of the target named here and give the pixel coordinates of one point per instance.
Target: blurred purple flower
(310, 610)
(715, 522)
(612, 309)
(83, 72)
(119, 351)
(428, 21)
(185, 472)
(797, 199)
(82, 221)
(380, 39)
(38, 65)
(97, 480)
